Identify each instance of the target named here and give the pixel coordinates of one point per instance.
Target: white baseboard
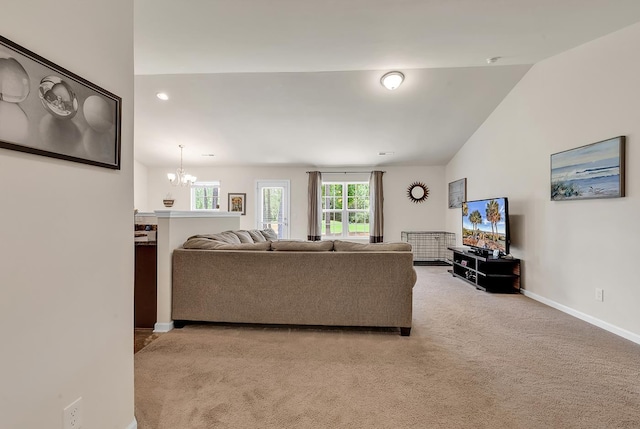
(133, 424)
(163, 327)
(582, 316)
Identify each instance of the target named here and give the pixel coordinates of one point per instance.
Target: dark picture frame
(47, 110)
(592, 171)
(457, 193)
(238, 203)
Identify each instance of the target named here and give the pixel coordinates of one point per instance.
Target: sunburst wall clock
(418, 192)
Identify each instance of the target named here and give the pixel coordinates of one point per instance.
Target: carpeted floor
(142, 338)
(473, 360)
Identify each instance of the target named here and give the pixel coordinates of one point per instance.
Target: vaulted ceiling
(297, 82)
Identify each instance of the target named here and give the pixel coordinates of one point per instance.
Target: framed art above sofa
(238, 203)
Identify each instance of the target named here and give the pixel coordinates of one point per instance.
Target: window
(205, 196)
(345, 209)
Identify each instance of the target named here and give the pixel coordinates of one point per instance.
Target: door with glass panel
(273, 206)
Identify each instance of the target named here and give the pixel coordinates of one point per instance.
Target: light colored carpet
(142, 337)
(473, 360)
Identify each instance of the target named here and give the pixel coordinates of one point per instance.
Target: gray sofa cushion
(350, 246)
(244, 236)
(269, 234)
(205, 243)
(227, 237)
(257, 236)
(302, 246)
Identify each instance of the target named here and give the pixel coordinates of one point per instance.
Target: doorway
(273, 206)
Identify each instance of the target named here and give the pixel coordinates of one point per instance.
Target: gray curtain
(376, 202)
(314, 207)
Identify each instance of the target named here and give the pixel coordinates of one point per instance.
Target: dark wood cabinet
(486, 272)
(145, 285)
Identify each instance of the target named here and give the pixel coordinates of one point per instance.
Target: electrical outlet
(599, 294)
(73, 415)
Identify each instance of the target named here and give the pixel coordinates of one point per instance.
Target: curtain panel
(376, 202)
(314, 206)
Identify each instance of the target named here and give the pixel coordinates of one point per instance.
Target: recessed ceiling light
(162, 96)
(208, 154)
(492, 60)
(385, 153)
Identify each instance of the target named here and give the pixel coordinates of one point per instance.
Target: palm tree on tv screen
(475, 218)
(493, 216)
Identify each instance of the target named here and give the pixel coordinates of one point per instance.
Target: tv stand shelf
(486, 272)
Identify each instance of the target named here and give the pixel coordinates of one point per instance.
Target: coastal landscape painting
(592, 171)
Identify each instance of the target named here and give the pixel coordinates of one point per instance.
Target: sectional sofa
(249, 277)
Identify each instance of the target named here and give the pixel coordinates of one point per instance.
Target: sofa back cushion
(350, 246)
(226, 237)
(207, 243)
(256, 236)
(244, 236)
(269, 234)
(302, 246)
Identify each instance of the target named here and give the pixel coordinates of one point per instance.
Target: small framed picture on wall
(238, 203)
(457, 193)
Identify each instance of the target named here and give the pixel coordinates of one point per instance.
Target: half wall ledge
(194, 214)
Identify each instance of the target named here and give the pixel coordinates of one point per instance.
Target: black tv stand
(486, 272)
(480, 252)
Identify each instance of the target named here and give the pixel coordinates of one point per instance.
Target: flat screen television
(485, 225)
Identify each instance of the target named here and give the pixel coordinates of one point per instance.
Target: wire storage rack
(430, 247)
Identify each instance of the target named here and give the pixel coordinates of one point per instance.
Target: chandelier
(180, 177)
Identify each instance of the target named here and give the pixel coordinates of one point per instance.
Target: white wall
(140, 186)
(569, 248)
(66, 260)
(400, 213)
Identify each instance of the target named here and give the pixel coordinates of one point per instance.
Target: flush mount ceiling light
(392, 80)
(180, 177)
(492, 60)
(162, 96)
